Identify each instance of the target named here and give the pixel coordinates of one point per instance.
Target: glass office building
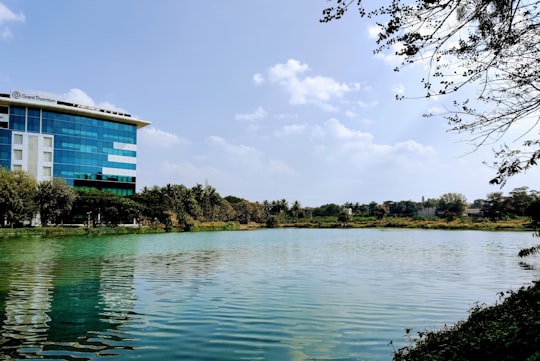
(88, 147)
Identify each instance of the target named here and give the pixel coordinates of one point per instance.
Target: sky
(256, 98)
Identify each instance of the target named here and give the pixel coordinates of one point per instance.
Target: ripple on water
(271, 295)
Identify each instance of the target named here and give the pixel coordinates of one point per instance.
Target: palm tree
(295, 210)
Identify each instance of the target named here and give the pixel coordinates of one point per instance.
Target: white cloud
(391, 59)
(291, 70)
(286, 116)
(332, 142)
(350, 114)
(258, 79)
(339, 130)
(159, 138)
(398, 89)
(411, 146)
(317, 90)
(258, 113)
(290, 130)
(7, 15)
(436, 110)
(78, 96)
(237, 150)
(278, 166)
(6, 34)
(185, 173)
(373, 31)
(366, 105)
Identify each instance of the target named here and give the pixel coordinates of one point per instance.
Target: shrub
(506, 331)
(272, 222)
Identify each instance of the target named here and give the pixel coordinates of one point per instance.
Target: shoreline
(517, 225)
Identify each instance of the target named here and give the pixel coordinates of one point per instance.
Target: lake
(277, 294)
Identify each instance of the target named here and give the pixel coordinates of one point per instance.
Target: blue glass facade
(5, 148)
(87, 151)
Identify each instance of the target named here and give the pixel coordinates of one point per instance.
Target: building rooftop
(46, 101)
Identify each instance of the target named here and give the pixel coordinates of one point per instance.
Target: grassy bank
(328, 222)
(509, 330)
(102, 231)
(431, 223)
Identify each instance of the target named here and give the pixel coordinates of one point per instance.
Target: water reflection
(55, 306)
(273, 295)
(27, 304)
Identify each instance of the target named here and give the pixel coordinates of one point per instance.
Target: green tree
(381, 211)
(344, 217)
(272, 222)
(266, 208)
(373, 209)
(247, 211)
(327, 210)
(182, 206)
(533, 211)
(96, 208)
(451, 205)
(519, 200)
(153, 206)
(296, 208)
(496, 206)
(17, 197)
(224, 211)
(211, 199)
(487, 46)
(55, 201)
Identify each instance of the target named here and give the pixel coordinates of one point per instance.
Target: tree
(152, 202)
(496, 206)
(451, 205)
(295, 210)
(344, 217)
(181, 205)
(266, 208)
(17, 197)
(97, 207)
(490, 46)
(520, 200)
(247, 211)
(327, 210)
(55, 201)
(211, 200)
(381, 212)
(533, 211)
(373, 209)
(224, 211)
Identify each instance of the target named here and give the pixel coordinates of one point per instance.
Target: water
(283, 294)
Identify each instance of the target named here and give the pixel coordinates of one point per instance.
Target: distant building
(88, 147)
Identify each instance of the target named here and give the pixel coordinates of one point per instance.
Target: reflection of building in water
(117, 290)
(76, 305)
(67, 301)
(28, 300)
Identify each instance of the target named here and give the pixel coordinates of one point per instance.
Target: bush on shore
(506, 331)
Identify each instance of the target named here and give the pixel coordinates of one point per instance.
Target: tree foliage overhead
(490, 45)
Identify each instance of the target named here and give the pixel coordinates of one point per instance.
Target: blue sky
(256, 97)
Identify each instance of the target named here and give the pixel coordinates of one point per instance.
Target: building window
(17, 167)
(17, 139)
(47, 142)
(17, 154)
(4, 117)
(47, 171)
(47, 156)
